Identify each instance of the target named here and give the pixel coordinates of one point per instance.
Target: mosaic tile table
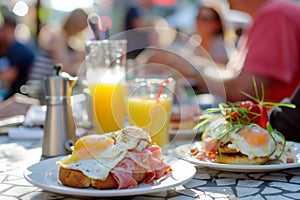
(17, 155)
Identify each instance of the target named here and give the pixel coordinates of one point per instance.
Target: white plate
(45, 175)
(183, 152)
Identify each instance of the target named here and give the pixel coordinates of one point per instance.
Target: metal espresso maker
(59, 129)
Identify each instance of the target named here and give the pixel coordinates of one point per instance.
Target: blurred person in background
(268, 50)
(206, 45)
(16, 58)
(137, 21)
(209, 34)
(61, 45)
(209, 26)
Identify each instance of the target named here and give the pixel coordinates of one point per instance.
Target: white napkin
(35, 116)
(23, 132)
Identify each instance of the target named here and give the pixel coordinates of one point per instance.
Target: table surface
(17, 155)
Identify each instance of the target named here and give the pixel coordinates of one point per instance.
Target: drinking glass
(149, 103)
(105, 71)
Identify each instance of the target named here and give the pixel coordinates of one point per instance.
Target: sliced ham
(156, 151)
(158, 170)
(142, 158)
(122, 173)
(149, 159)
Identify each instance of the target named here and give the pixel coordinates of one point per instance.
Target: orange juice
(108, 105)
(151, 116)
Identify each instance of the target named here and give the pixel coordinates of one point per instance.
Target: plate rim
(233, 167)
(90, 192)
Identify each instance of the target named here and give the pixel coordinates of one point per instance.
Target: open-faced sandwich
(120, 159)
(239, 133)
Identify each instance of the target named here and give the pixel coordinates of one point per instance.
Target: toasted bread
(240, 159)
(226, 149)
(76, 179)
(232, 156)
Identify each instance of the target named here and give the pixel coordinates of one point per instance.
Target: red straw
(161, 87)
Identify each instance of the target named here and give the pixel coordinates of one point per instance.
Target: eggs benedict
(248, 145)
(239, 133)
(120, 159)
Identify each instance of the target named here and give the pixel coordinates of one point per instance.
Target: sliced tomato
(231, 115)
(263, 119)
(258, 113)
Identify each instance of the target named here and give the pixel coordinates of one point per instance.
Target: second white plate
(183, 152)
(45, 175)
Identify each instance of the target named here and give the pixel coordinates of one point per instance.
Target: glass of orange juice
(149, 103)
(105, 71)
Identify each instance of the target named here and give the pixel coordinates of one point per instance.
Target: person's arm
(286, 120)
(230, 85)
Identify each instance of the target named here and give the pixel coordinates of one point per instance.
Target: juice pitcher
(105, 70)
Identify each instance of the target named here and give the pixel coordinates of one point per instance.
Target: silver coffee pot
(59, 129)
